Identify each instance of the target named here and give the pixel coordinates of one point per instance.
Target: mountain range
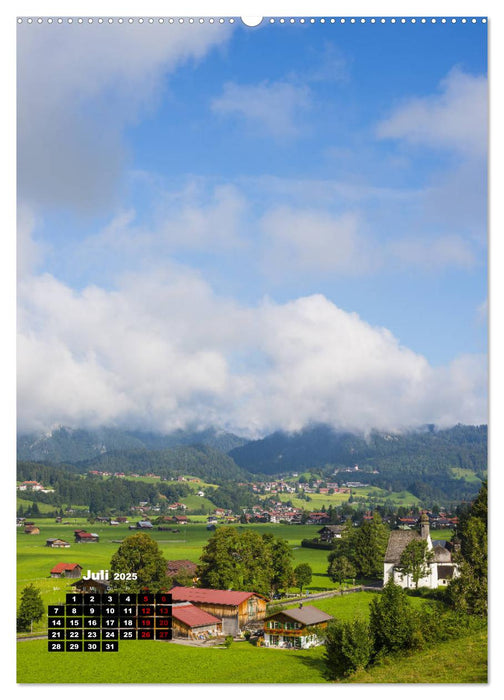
(431, 463)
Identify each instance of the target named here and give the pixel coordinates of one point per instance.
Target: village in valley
(324, 564)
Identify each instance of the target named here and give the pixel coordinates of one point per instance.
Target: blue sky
(252, 228)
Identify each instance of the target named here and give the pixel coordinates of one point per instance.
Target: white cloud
(276, 107)
(164, 351)
(313, 240)
(74, 101)
(193, 219)
(434, 253)
(455, 118)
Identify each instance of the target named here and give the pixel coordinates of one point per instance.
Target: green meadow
(462, 661)
(35, 560)
(459, 661)
(165, 662)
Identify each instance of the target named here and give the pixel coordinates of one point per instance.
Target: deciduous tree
(303, 576)
(141, 555)
(31, 608)
(414, 560)
(340, 568)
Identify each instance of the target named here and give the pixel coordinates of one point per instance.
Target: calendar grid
(96, 622)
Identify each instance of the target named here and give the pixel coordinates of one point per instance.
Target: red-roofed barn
(234, 608)
(63, 570)
(194, 623)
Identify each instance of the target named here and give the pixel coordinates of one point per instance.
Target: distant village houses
(30, 486)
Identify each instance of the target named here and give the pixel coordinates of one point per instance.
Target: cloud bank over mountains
(165, 352)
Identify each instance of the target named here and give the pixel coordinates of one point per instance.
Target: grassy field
(35, 560)
(462, 661)
(162, 662)
(371, 494)
(43, 507)
(465, 474)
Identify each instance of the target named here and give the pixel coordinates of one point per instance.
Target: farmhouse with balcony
(63, 570)
(441, 566)
(235, 608)
(295, 629)
(330, 532)
(192, 622)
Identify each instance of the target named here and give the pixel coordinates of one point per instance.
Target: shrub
(228, 641)
(348, 647)
(246, 634)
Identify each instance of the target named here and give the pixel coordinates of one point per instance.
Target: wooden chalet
(329, 532)
(192, 622)
(235, 608)
(295, 629)
(63, 570)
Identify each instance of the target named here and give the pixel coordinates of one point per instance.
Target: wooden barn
(56, 543)
(235, 608)
(83, 536)
(191, 622)
(32, 530)
(295, 629)
(92, 586)
(63, 570)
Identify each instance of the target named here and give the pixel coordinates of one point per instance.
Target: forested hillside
(432, 464)
(76, 445)
(428, 462)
